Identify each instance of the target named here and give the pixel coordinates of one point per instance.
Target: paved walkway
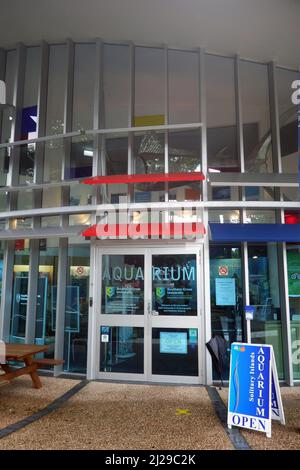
(102, 415)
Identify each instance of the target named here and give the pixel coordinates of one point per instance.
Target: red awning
(125, 231)
(152, 178)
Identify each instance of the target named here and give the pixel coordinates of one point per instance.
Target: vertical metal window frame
(98, 169)
(131, 163)
(2, 77)
(62, 276)
(281, 247)
(99, 122)
(166, 112)
(206, 263)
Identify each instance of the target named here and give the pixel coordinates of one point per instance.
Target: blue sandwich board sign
(254, 393)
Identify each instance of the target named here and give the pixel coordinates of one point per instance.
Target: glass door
(174, 315)
(149, 314)
(121, 307)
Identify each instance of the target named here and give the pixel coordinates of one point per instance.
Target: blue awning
(254, 232)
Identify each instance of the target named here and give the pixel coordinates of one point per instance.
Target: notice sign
(253, 388)
(173, 343)
(225, 291)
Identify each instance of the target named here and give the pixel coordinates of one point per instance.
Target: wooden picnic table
(22, 353)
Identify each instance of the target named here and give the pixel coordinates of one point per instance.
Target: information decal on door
(174, 284)
(173, 343)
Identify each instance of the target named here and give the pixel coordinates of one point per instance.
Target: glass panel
(149, 104)
(293, 267)
(116, 78)
(80, 219)
(224, 216)
(57, 74)
(51, 221)
(84, 84)
(224, 193)
(77, 308)
(47, 285)
(226, 296)
(264, 291)
(256, 193)
(174, 285)
(123, 284)
(51, 197)
(149, 157)
(8, 115)
(183, 77)
(81, 158)
(221, 114)
(122, 349)
(288, 120)
(22, 223)
(260, 217)
(256, 117)
(30, 114)
(20, 292)
(24, 200)
(175, 351)
(185, 157)
(115, 150)
(80, 195)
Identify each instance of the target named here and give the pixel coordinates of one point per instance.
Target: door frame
(145, 321)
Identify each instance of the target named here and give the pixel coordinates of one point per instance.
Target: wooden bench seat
(47, 362)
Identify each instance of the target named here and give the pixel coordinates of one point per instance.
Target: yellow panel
(149, 120)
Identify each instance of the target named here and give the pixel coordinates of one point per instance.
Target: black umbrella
(218, 351)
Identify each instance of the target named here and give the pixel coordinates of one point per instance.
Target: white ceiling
(258, 29)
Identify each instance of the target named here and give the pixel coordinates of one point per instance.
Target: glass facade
(126, 88)
(77, 308)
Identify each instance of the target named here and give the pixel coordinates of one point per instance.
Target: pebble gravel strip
(238, 441)
(43, 412)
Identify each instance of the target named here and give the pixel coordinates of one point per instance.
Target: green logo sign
(160, 292)
(110, 292)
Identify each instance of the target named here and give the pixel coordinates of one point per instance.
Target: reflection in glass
(175, 351)
(256, 117)
(224, 216)
(122, 349)
(1, 266)
(115, 149)
(260, 217)
(123, 284)
(221, 114)
(288, 123)
(30, 114)
(264, 294)
(116, 75)
(174, 285)
(183, 86)
(185, 157)
(226, 295)
(293, 268)
(48, 265)
(77, 308)
(20, 292)
(149, 151)
(54, 150)
(149, 102)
